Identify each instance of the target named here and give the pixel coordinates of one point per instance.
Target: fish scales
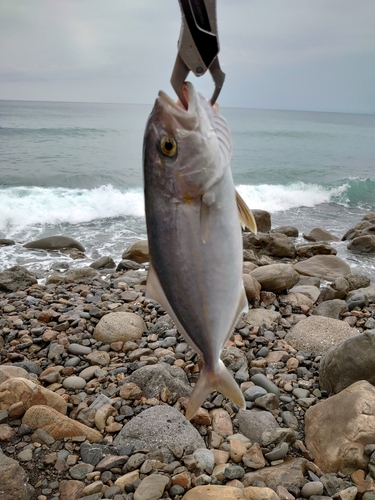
(194, 232)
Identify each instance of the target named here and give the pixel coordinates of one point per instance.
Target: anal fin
(246, 217)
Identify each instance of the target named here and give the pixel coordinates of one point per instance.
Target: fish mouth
(186, 117)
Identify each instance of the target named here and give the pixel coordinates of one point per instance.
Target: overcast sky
(277, 54)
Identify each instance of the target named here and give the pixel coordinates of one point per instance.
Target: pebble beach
(95, 379)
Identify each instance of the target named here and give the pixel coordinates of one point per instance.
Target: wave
(275, 198)
(25, 207)
(57, 131)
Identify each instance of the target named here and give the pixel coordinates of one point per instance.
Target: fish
(194, 233)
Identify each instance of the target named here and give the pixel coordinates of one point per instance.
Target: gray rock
(272, 244)
(80, 471)
(268, 402)
(160, 428)
(132, 278)
(252, 393)
(252, 423)
(103, 263)
(299, 393)
(6, 242)
(77, 275)
(234, 472)
(331, 308)
(205, 460)
(74, 382)
(55, 243)
(14, 483)
(16, 277)
(128, 265)
(262, 317)
(310, 291)
(153, 378)
(78, 349)
(91, 453)
(233, 358)
(318, 334)
(356, 281)
(348, 362)
(263, 220)
(313, 488)
(29, 366)
(362, 244)
(279, 452)
(369, 291)
(267, 384)
(357, 300)
(290, 231)
(278, 435)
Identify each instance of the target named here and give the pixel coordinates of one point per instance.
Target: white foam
(25, 207)
(276, 198)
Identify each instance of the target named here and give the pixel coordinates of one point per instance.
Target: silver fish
(194, 232)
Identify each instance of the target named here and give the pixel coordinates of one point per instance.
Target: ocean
(76, 169)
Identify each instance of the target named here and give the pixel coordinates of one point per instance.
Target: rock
(57, 425)
(356, 281)
(328, 267)
(128, 265)
(357, 300)
(369, 291)
(103, 263)
(253, 457)
(338, 429)
(263, 220)
(14, 483)
(119, 326)
(138, 252)
(74, 383)
(10, 371)
(16, 277)
(214, 492)
(290, 231)
(6, 432)
(221, 422)
(313, 488)
(297, 299)
(161, 428)
(260, 317)
(331, 309)
(267, 384)
(25, 394)
(318, 334)
(55, 243)
(362, 244)
(272, 244)
(289, 473)
(309, 250)
(278, 452)
(310, 291)
(76, 275)
(348, 362)
(151, 488)
(153, 378)
(252, 288)
(318, 234)
(252, 423)
(6, 242)
(276, 277)
(71, 490)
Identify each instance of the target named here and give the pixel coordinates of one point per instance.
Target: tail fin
(220, 380)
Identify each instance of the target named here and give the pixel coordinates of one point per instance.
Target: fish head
(182, 150)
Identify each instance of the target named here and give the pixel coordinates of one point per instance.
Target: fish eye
(168, 146)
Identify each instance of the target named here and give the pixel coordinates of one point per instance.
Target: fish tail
(220, 380)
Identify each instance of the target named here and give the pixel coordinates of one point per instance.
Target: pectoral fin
(246, 217)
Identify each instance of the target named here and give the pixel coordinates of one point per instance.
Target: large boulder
(348, 362)
(119, 326)
(252, 423)
(14, 482)
(161, 428)
(272, 244)
(76, 275)
(16, 277)
(362, 244)
(138, 252)
(334, 308)
(290, 473)
(318, 234)
(328, 267)
(310, 249)
(57, 425)
(55, 243)
(318, 334)
(338, 429)
(262, 317)
(368, 291)
(152, 379)
(276, 277)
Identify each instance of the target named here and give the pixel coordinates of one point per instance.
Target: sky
(314, 55)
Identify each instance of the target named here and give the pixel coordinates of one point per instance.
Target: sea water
(75, 169)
